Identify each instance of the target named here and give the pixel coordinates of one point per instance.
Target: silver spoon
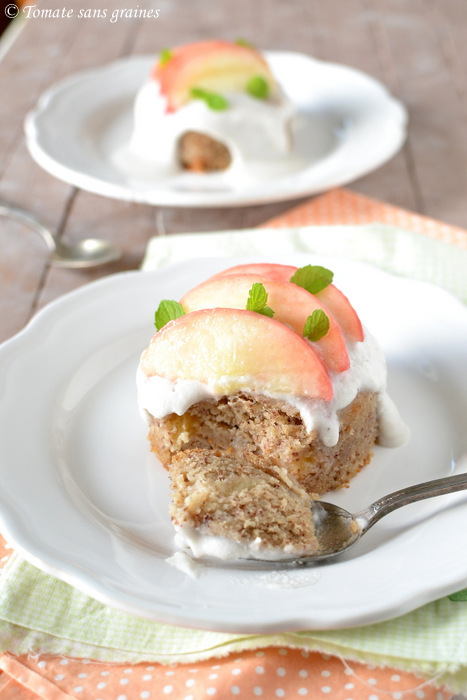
(86, 253)
(337, 530)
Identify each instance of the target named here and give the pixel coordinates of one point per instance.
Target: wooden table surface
(416, 47)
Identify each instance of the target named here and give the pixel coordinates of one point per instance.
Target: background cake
(211, 106)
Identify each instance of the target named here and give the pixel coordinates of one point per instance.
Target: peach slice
(331, 297)
(291, 305)
(231, 350)
(216, 66)
(280, 273)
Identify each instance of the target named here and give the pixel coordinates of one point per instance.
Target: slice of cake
(263, 367)
(211, 106)
(232, 508)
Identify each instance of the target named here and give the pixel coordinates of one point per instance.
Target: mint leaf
(164, 56)
(266, 311)
(167, 311)
(212, 99)
(313, 278)
(258, 299)
(258, 87)
(316, 325)
(459, 596)
(244, 42)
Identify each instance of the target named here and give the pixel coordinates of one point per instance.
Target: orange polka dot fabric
(269, 673)
(346, 207)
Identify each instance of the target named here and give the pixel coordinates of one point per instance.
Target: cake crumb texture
(245, 500)
(201, 153)
(272, 430)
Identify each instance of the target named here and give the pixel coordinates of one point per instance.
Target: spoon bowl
(337, 530)
(89, 252)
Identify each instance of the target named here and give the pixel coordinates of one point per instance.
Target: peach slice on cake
(331, 297)
(231, 349)
(215, 66)
(291, 305)
(273, 271)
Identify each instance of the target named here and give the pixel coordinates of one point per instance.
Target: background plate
(347, 125)
(83, 498)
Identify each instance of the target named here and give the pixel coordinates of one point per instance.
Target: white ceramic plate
(83, 498)
(347, 125)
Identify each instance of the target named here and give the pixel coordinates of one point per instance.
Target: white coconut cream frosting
(252, 129)
(160, 397)
(202, 545)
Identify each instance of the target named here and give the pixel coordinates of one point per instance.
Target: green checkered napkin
(40, 613)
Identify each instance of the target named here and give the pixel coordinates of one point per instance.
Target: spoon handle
(419, 492)
(25, 217)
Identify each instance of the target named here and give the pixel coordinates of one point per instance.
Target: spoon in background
(89, 252)
(337, 530)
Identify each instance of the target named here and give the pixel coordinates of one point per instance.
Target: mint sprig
(168, 310)
(258, 299)
(244, 42)
(258, 87)
(313, 278)
(316, 325)
(164, 56)
(212, 99)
